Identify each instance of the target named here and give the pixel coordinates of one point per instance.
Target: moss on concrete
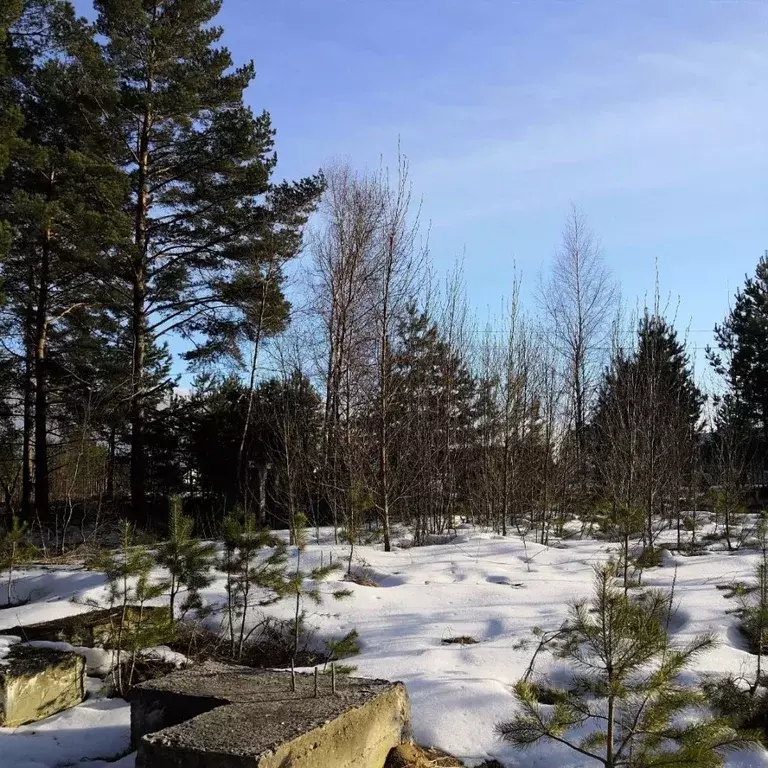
(97, 628)
(39, 682)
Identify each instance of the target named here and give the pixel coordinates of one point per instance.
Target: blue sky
(652, 117)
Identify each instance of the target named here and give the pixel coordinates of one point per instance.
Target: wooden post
(293, 678)
(333, 678)
(316, 673)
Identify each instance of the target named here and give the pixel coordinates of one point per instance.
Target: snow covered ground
(490, 588)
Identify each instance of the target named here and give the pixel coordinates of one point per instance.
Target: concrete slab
(218, 716)
(98, 628)
(39, 682)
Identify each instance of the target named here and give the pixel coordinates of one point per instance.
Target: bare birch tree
(397, 269)
(344, 265)
(577, 301)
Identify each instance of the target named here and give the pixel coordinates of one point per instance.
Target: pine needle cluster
(187, 560)
(250, 580)
(15, 550)
(626, 691)
(131, 586)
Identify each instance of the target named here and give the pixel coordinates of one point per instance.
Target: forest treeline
(143, 233)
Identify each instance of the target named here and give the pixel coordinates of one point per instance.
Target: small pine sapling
(753, 605)
(130, 587)
(15, 550)
(625, 690)
(249, 580)
(342, 648)
(745, 701)
(360, 500)
(730, 511)
(624, 522)
(296, 587)
(187, 560)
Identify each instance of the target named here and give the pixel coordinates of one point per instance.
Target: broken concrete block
(39, 682)
(215, 716)
(99, 628)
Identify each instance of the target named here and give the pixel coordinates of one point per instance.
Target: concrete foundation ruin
(93, 629)
(218, 716)
(38, 682)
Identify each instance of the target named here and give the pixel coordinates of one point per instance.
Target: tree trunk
(139, 326)
(384, 478)
(29, 407)
(263, 470)
(242, 476)
(29, 420)
(138, 458)
(42, 502)
(111, 464)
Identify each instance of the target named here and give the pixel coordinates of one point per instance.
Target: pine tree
(15, 550)
(434, 416)
(625, 689)
(187, 560)
(131, 584)
(247, 575)
(743, 343)
(296, 584)
(648, 408)
(199, 162)
(285, 444)
(63, 198)
(730, 461)
(10, 115)
(753, 606)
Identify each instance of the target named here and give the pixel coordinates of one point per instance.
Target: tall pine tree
(434, 417)
(200, 164)
(743, 343)
(63, 198)
(648, 407)
(10, 117)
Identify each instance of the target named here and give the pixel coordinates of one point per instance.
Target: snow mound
(98, 662)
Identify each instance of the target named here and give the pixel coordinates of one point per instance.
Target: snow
(165, 654)
(98, 662)
(6, 643)
(95, 730)
(494, 589)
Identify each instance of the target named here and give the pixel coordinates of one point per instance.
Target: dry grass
(459, 640)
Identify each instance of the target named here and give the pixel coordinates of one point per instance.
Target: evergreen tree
(279, 455)
(743, 343)
(63, 198)
(296, 585)
(187, 560)
(247, 575)
(199, 163)
(663, 356)
(15, 550)
(10, 116)
(625, 689)
(130, 585)
(286, 443)
(648, 410)
(434, 418)
(215, 417)
(730, 460)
